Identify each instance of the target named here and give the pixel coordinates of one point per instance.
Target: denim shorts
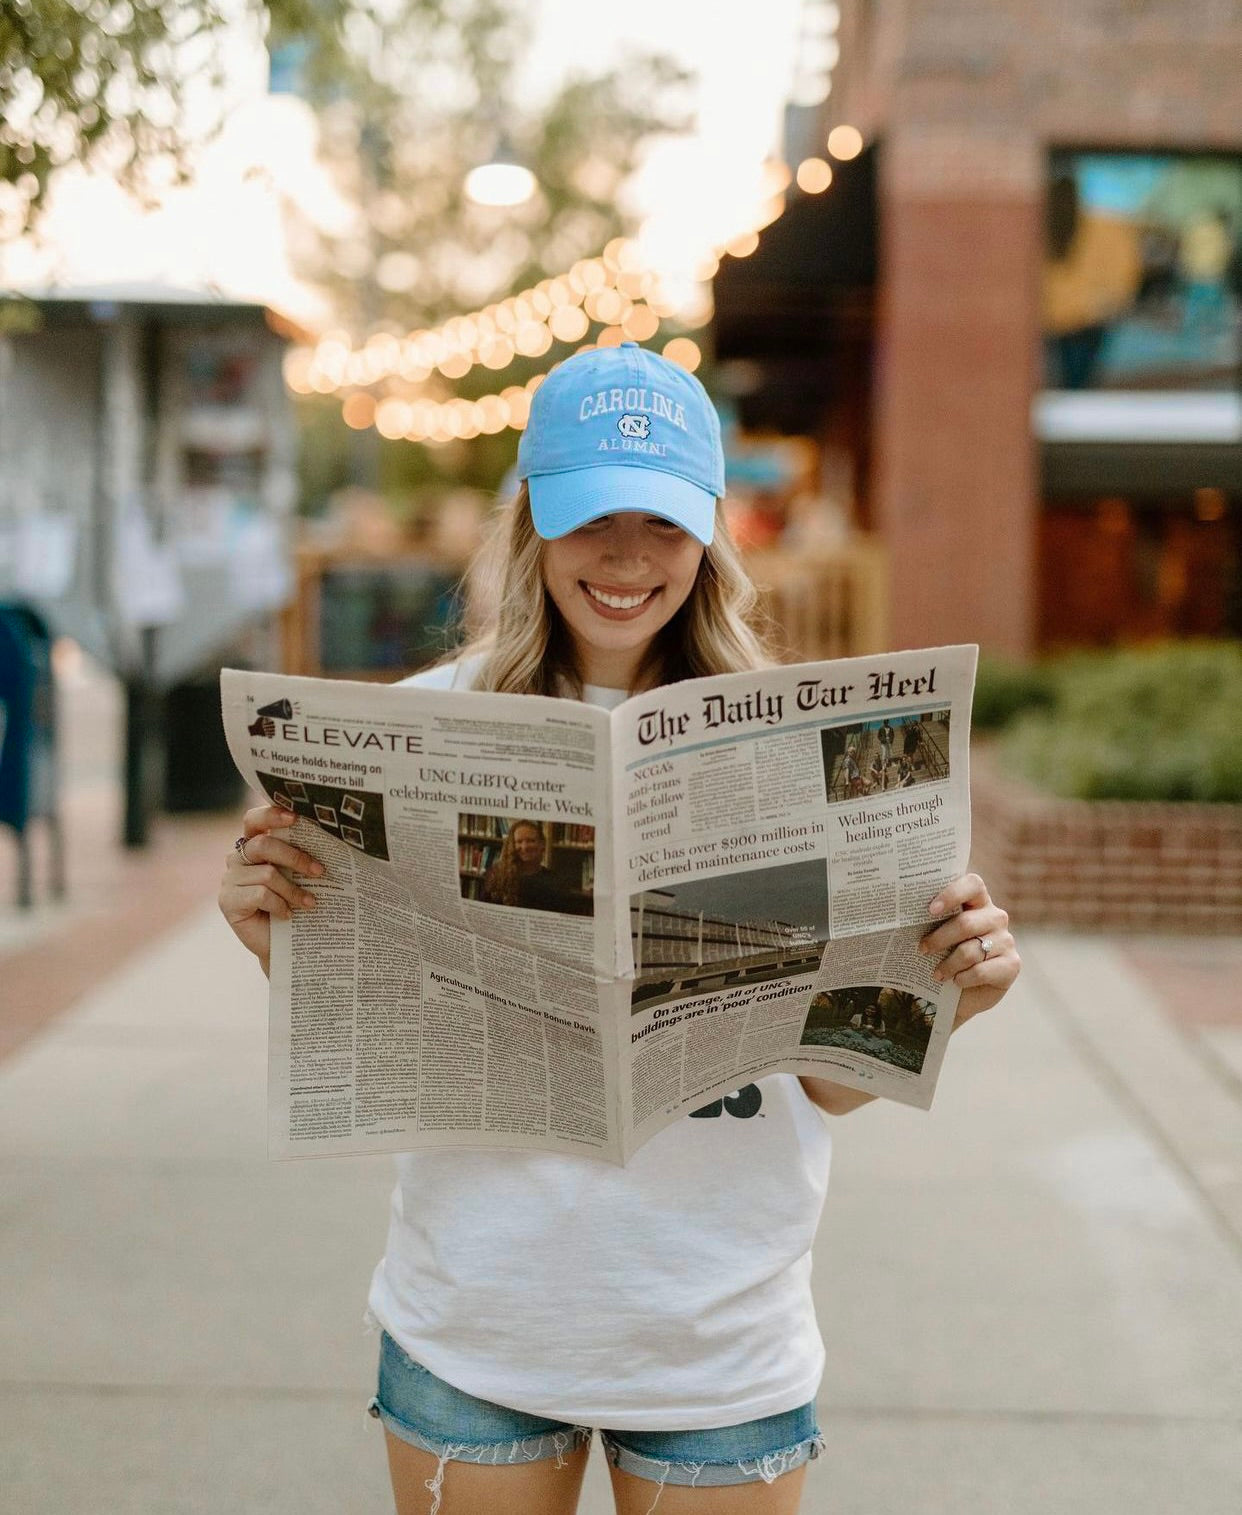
(423, 1410)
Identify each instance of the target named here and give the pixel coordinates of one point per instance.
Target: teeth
(619, 601)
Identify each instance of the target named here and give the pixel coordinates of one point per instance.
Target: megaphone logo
(265, 725)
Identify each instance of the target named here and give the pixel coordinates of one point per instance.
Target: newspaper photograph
(549, 926)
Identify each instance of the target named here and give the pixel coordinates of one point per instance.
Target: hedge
(1155, 723)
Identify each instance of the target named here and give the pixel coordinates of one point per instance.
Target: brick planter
(1111, 864)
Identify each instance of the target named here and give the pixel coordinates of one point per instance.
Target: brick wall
(967, 97)
(1104, 864)
(1139, 72)
(955, 469)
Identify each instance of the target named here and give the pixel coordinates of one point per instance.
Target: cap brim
(561, 502)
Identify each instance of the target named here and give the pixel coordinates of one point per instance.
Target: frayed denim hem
(558, 1444)
(711, 1475)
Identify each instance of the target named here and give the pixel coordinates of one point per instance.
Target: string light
(617, 291)
(608, 290)
(524, 325)
(439, 421)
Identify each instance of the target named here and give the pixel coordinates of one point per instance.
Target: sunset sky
(225, 230)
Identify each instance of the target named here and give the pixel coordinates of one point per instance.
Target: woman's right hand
(258, 886)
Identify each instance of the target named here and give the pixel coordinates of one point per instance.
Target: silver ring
(240, 846)
(986, 943)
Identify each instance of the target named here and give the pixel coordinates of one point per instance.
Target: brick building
(1042, 469)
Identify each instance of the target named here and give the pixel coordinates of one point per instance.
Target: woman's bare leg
(468, 1488)
(640, 1496)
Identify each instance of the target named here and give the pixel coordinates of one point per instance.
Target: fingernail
(938, 976)
(316, 869)
(936, 907)
(309, 901)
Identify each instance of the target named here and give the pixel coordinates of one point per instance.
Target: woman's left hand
(960, 942)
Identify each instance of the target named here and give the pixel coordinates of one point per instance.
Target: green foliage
(1004, 689)
(18, 317)
(910, 1058)
(85, 77)
(410, 94)
(415, 99)
(1157, 723)
(106, 81)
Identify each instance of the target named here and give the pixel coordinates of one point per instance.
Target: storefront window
(1119, 568)
(380, 618)
(1142, 281)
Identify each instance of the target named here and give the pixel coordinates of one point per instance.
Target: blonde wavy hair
(502, 884)
(514, 625)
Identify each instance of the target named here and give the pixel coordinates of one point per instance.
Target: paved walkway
(1031, 1296)
(116, 901)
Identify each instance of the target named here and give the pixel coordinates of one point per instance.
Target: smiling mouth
(629, 603)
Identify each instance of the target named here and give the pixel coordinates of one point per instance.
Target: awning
(1150, 445)
(785, 314)
(1144, 470)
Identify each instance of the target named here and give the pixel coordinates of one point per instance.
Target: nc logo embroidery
(743, 1103)
(634, 426)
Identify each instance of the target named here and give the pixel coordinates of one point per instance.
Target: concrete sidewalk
(117, 901)
(1032, 1296)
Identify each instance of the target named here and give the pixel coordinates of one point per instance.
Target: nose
(625, 539)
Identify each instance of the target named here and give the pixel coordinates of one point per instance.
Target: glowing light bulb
(358, 411)
(497, 352)
(297, 366)
(776, 176)
(392, 418)
(845, 142)
(743, 246)
(500, 184)
(641, 324)
(533, 339)
(685, 353)
(568, 323)
(814, 176)
(492, 414)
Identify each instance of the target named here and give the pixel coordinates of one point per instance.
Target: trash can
(29, 788)
(199, 772)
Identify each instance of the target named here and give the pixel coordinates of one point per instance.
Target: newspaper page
(784, 834)
(427, 1000)
(548, 926)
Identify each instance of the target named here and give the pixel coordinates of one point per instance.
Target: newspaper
(719, 879)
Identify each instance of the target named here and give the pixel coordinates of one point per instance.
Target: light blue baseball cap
(621, 429)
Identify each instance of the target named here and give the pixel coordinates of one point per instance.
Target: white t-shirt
(672, 1294)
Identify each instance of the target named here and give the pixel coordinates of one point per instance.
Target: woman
(519, 876)
(526, 1298)
(852, 773)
